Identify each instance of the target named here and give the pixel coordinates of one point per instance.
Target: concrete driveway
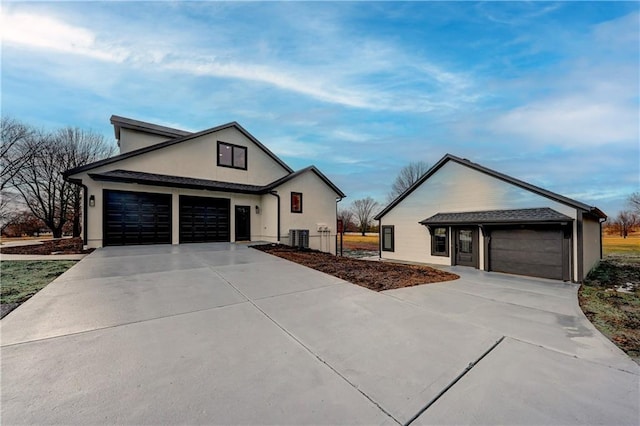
(224, 334)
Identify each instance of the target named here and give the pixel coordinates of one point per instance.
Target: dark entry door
(243, 223)
(204, 220)
(466, 242)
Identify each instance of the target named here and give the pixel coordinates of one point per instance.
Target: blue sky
(545, 92)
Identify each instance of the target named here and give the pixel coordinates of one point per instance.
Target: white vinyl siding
(196, 158)
(591, 244)
(456, 188)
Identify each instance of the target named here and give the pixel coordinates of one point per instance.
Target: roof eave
(497, 223)
(119, 122)
(185, 185)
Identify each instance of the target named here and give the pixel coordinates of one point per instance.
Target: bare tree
(346, 216)
(408, 175)
(40, 183)
(364, 210)
(81, 147)
(14, 149)
(634, 202)
(625, 222)
(8, 208)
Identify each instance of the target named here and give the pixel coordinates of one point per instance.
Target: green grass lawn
(21, 279)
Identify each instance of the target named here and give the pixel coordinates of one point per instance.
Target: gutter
(275, 194)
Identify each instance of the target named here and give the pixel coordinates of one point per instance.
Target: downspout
(338, 199)
(601, 221)
(275, 194)
(380, 238)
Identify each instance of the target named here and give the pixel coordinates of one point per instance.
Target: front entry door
(243, 223)
(466, 242)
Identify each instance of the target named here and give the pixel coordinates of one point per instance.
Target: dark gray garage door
(534, 252)
(136, 218)
(204, 220)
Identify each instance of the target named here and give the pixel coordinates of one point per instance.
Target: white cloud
(294, 148)
(344, 78)
(42, 32)
(350, 136)
(570, 121)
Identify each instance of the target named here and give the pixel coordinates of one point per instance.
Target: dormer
(134, 134)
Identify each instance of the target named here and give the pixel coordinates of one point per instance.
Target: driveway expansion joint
(454, 381)
(318, 357)
(570, 355)
(76, 333)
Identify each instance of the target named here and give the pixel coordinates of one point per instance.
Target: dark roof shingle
(176, 181)
(154, 179)
(515, 216)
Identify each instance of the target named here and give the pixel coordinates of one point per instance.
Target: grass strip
(21, 279)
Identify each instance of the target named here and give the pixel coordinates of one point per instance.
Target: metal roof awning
(538, 216)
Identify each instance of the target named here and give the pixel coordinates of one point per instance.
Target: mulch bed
(373, 275)
(57, 246)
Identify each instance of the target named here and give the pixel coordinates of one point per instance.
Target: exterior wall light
(257, 209)
(92, 200)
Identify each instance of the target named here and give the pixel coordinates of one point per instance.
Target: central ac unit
(299, 238)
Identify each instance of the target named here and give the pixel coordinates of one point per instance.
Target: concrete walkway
(224, 334)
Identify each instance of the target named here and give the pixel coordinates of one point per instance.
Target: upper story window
(440, 241)
(234, 156)
(296, 202)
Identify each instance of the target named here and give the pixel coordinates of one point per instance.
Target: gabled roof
(313, 169)
(155, 179)
(142, 126)
(535, 189)
(542, 215)
(175, 141)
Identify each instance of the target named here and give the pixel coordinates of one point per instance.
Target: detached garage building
(169, 186)
(461, 213)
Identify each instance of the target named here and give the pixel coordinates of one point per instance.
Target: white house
(461, 213)
(169, 186)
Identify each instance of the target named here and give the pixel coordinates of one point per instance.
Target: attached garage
(136, 218)
(204, 220)
(536, 252)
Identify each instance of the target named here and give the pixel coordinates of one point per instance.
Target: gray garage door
(204, 219)
(534, 252)
(136, 218)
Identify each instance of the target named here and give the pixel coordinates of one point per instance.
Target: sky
(547, 92)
